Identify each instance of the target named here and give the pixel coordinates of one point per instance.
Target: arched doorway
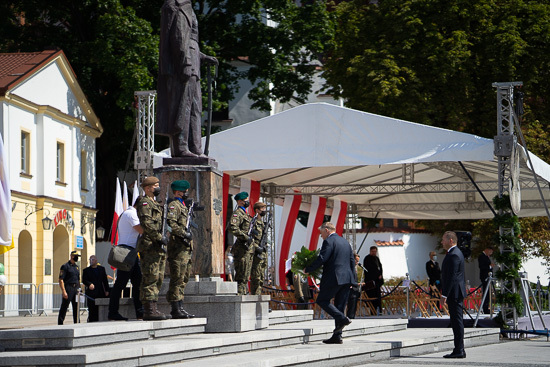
(26, 290)
(26, 266)
(61, 251)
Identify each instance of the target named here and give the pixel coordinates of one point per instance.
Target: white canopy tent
(383, 165)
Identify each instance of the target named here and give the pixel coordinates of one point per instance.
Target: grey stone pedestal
(126, 308)
(225, 311)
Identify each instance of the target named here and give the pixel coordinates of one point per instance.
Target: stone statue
(179, 90)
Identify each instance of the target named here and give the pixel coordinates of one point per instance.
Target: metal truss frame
(145, 124)
(505, 143)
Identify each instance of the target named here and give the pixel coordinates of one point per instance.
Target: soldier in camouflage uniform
(180, 248)
(242, 249)
(152, 249)
(259, 257)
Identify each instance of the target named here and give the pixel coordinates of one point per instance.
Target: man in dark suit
(374, 278)
(94, 278)
(453, 290)
(485, 267)
(336, 257)
(434, 272)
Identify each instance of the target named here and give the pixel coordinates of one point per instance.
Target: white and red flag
(135, 194)
(118, 212)
(338, 218)
(316, 216)
(289, 215)
(253, 189)
(124, 197)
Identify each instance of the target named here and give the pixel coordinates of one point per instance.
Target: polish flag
(117, 213)
(289, 215)
(253, 189)
(125, 197)
(316, 216)
(135, 194)
(338, 218)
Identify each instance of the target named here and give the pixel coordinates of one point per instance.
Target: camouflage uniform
(149, 246)
(179, 250)
(259, 261)
(242, 253)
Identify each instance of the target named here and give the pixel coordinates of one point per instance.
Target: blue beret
(180, 185)
(241, 195)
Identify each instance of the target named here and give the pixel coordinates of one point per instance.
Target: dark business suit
(338, 263)
(485, 268)
(453, 288)
(97, 277)
(434, 274)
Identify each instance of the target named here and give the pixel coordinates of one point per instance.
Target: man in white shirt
(129, 230)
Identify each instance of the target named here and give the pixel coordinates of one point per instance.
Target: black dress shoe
(455, 355)
(117, 317)
(333, 340)
(340, 325)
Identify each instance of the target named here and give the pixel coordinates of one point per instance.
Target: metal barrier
(18, 299)
(49, 297)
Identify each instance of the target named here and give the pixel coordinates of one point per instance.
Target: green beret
(148, 181)
(241, 195)
(180, 185)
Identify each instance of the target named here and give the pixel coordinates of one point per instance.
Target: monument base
(225, 310)
(125, 308)
(190, 161)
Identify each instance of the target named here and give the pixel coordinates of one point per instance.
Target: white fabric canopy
(392, 167)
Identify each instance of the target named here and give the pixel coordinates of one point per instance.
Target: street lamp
(46, 222)
(83, 224)
(100, 232)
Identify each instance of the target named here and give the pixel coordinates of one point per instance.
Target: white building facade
(49, 132)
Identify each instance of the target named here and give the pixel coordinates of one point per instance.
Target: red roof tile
(389, 243)
(17, 67)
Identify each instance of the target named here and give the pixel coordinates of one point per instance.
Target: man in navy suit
(453, 290)
(338, 263)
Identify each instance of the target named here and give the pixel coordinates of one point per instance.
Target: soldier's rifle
(164, 218)
(193, 207)
(262, 247)
(251, 230)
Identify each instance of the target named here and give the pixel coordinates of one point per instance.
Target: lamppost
(46, 222)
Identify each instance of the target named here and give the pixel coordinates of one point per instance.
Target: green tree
(433, 62)
(113, 47)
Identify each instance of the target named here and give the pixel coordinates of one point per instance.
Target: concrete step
(277, 317)
(174, 349)
(75, 336)
(356, 350)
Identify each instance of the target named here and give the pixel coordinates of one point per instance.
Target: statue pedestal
(218, 301)
(210, 297)
(206, 189)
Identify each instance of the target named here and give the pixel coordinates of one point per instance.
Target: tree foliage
(433, 62)
(113, 47)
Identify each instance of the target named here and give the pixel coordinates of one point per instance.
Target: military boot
(187, 314)
(176, 312)
(151, 312)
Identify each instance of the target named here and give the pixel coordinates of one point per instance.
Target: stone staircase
(293, 338)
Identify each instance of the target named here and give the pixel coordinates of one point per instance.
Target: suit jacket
(485, 267)
(452, 274)
(433, 271)
(99, 280)
(338, 263)
(374, 270)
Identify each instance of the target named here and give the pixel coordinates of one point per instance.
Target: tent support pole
(477, 188)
